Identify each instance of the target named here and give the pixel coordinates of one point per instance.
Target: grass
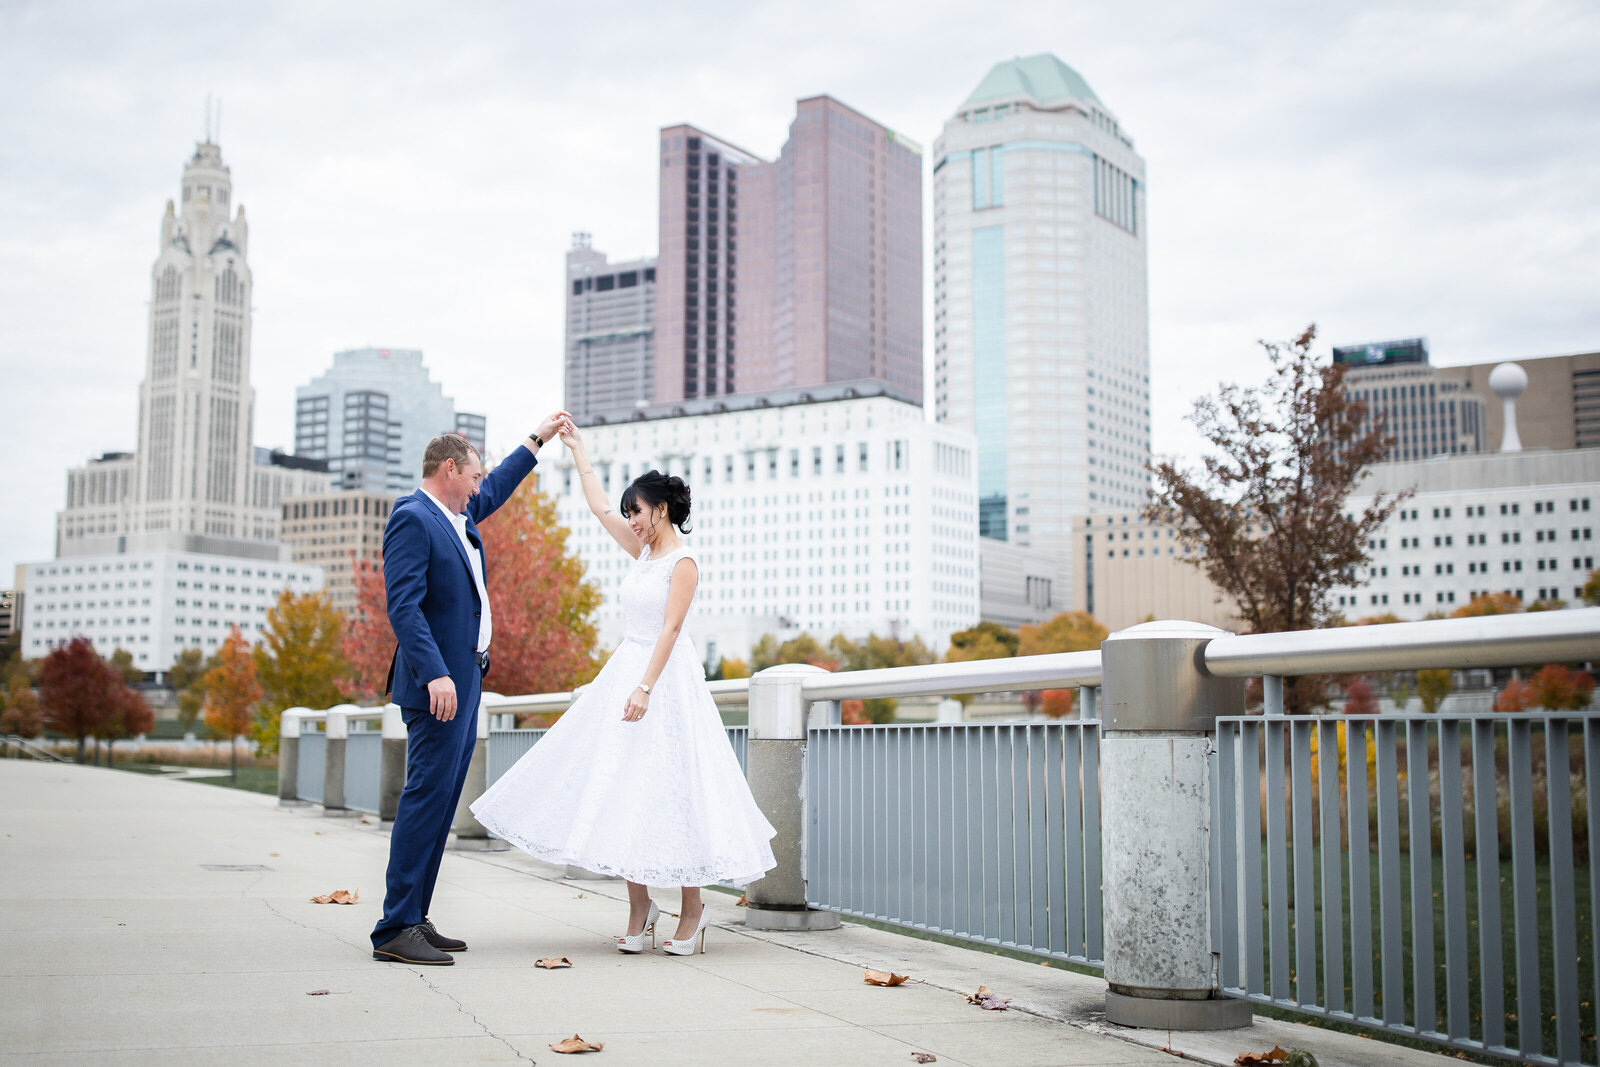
(253, 779)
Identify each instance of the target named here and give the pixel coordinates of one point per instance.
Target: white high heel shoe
(687, 946)
(634, 943)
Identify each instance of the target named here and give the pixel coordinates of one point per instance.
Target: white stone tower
(195, 404)
(1041, 315)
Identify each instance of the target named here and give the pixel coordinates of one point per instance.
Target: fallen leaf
(1261, 1059)
(884, 978)
(338, 896)
(988, 1000)
(325, 993)
(743, 901)
(576, 1044)
(272, 853)
(551, 963)
(924, 1057)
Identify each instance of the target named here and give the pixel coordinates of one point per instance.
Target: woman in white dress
(637, 778)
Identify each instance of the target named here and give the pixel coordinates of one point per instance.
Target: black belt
(483, 662)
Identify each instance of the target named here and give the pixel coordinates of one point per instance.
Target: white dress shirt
(475, 559)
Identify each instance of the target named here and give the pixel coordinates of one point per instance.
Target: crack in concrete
(462, 1008)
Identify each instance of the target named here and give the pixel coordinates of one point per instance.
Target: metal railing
(987, 833)
(1389, 870)
(31, 749)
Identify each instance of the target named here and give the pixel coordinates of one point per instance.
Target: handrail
(38, 752)
(1568, 636)
(1055, 670)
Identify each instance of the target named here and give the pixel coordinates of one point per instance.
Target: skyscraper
(1041, 322)
(803, 271)
(196, 473)
(610, 333)
(372, 413)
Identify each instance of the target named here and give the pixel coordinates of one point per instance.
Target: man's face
(461, 482)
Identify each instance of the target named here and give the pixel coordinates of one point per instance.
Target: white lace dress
(659, 801)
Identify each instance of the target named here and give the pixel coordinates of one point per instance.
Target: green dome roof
(1043, 78)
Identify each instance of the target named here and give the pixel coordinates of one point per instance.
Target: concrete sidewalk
(154, 921)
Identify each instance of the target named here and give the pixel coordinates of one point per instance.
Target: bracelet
(586, 470)
(537, 440)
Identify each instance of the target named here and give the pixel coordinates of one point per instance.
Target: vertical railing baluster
(1277, 858)
(1356, 747)
(1563, 902)
(1214, 853)
(995, 839)
(1328, 771)
(1591, 767)
(1453, 858)
(1013, 839)
(1094, 930)
(946, 798)
(1227, 832)
(1073, 744)
(1305, 892)
(1250, 837)
(1524, 886)
(962, 858)
(1420, 818)
(1486, 854)
(1058, 833)
(1039, 826)
(1388, 789)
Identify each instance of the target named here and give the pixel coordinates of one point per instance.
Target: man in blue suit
(433, 573)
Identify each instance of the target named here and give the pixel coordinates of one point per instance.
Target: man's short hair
(447, 446)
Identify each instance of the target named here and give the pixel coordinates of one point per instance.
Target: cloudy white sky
(412, 172)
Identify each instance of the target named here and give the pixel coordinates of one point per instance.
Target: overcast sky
(412, 173)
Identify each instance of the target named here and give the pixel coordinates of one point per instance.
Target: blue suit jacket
(433, 601)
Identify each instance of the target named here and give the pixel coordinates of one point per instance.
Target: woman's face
(648, 522)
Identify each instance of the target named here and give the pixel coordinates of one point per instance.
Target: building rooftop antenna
(208, 118)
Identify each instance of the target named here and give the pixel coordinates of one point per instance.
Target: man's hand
(442, 698)
(551, 426)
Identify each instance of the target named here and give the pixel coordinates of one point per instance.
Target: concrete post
(289, 758)
(392, 768)
(1158, 730)
(950, 711)
(776, 770)
(472, 835)
(333, 761)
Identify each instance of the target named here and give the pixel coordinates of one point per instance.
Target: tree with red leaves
(78, 691)
(129, 716)
(1358, 698)
(232, 691)
(1559, 688)
(1266, 516)
(544, 633)
(1516, 696)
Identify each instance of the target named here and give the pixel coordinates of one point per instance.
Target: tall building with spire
(171, 545)
(196, 477)
(1041, 313)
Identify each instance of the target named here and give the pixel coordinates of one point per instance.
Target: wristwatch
(646, 688)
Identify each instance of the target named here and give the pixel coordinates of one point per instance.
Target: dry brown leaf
(743, 901)
(924, 1057)
(338, 896)
(1261, 1059)
(550, 963)
(986, 998)
(325, 992)
(884, 978)
(576, 1044)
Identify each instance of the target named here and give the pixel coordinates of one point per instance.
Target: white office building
(825, 511)
(1041, 322)
(371, 416)
(154, 603)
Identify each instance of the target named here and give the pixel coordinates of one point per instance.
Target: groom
(433, 573)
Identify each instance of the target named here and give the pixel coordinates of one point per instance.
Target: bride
(637, 778)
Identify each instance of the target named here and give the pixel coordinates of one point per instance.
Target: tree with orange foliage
(1057, 703)
(232, 691)
(1516, 696)
(544, 632)
(1560, 688)
(1488, 604)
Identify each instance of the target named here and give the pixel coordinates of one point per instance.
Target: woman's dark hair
(652, 488)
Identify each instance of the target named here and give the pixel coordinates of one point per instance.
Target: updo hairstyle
(652, 488)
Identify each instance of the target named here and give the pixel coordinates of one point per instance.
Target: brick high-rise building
(803, 271)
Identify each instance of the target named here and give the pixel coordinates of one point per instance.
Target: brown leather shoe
(411, 946)
(439, 941)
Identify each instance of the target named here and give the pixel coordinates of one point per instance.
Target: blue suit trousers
(437, 757)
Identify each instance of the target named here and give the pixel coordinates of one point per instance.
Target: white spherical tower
(1508, 382)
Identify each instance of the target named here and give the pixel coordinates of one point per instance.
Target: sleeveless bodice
(644, 595)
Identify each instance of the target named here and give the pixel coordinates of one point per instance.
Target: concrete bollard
(392, 765)
(1158, 731)
(337, 736)
(776, 771)
(471, 835)
(289, 758)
